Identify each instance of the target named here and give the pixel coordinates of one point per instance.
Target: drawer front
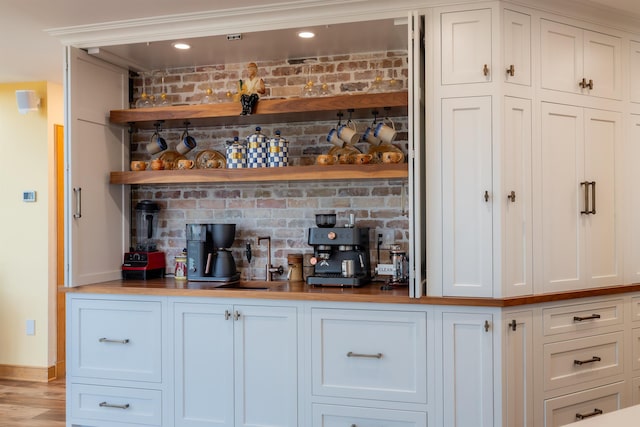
(586, 404)
(635, 309)
(369, 354)
(582, 317)
(115, 404)
(635, 342)
(116, 340)
(585, 359)
(635, 393)
(345, 416)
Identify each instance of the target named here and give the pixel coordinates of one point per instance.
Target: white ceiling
(29, 53)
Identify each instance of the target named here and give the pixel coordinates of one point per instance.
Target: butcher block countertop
(282, 290)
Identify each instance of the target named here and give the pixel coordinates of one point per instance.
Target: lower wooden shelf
(288, 173)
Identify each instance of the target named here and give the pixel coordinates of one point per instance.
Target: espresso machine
(340, 256)
(145, 261)
(208, 256)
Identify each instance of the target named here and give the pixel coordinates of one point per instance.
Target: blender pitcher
(146, 223)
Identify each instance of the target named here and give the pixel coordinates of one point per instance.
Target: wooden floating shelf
(391, 104)
(288, 173)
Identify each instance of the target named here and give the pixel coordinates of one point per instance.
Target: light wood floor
(32, 404)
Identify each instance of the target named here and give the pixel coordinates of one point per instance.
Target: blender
(145, 261)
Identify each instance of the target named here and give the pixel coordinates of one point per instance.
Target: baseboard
(28, 373)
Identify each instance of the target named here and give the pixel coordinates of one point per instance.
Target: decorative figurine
(251, 89)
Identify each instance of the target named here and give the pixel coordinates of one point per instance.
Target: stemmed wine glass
(164, 99)
(145, 100)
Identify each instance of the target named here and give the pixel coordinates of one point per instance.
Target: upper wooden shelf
(391, 104)
(288, 173)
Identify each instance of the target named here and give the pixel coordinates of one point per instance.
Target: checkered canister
(278, 151)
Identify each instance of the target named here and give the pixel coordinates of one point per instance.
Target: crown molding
(283, 15)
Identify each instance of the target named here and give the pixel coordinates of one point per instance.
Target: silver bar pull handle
(124, 341)
(583, 362)
(78, 193)
(580, 319)
(111, 405)
(595, 412)
(370, 356)
(593, 197)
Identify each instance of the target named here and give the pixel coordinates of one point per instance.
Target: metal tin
(278, 151)
(257, 150)
(236, 154)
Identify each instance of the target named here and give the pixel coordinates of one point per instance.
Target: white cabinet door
(516, 42)
(561, 62)
(467, 365)
(515, 198)
(95, 212)
(518, 369)
(634, 71)
(569, 54)
(466, 46)
(204, 382)
(580, 181)
(235, 365)
(632, 256)
(467, 195)
(603, 167)
(603, 65)
(266, 366)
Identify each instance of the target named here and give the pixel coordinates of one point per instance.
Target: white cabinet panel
(573, 407)
(603, 64)
(345, 416)
(518, 369)
(367, 354)
(634, 71)
(467, 369)
(516, 42)
(467, 193)
(582, 319)
(516, 199)
(466, 46)
(632, 225)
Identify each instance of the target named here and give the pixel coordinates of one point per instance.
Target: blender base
(143, 265)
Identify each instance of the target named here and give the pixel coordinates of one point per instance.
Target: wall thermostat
(29, 196)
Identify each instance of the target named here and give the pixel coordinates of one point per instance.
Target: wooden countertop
(281, 290)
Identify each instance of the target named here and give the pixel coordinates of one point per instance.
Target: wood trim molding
(28, 373)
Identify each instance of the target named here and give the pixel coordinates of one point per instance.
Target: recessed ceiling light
(306, 34)
(181, 45)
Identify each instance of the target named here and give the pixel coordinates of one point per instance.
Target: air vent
(232, 37)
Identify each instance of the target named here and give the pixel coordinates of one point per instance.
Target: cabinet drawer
(115, 404)
(369, 354)
(635, 309)
(585, 359)
(116, 340)
(341, 416)
(582, 317)
(570, 408)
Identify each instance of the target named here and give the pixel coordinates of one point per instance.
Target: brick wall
(282, 210)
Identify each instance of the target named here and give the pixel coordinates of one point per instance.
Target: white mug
(332, 137)
(368, 136)
(348, 133)
(157, 144)
(385, 132)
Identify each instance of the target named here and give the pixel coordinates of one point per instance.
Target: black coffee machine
(341, 256)
(208, 256)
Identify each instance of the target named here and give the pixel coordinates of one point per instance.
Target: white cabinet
(235, 365)
(580, 61)
(516, 44)
(580, 203)
(632, 225)
(96, 216)
(517, 351)
(116, 362)
(344, 416)
(634, 71)
(467, 197)
(515, 198)
(467, 369)
(369, 354)
(567, 409)
(465, 39)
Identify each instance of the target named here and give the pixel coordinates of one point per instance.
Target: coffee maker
(208, 256)
(145, 261)
(340, 256)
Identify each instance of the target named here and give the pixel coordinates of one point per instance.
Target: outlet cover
(31, 327)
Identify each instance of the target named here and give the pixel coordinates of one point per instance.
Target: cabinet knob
(486, 325)
(227, 315)
(512, 196)
(485, 70)
(511, 70)
(486, 196)
(236, 315)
